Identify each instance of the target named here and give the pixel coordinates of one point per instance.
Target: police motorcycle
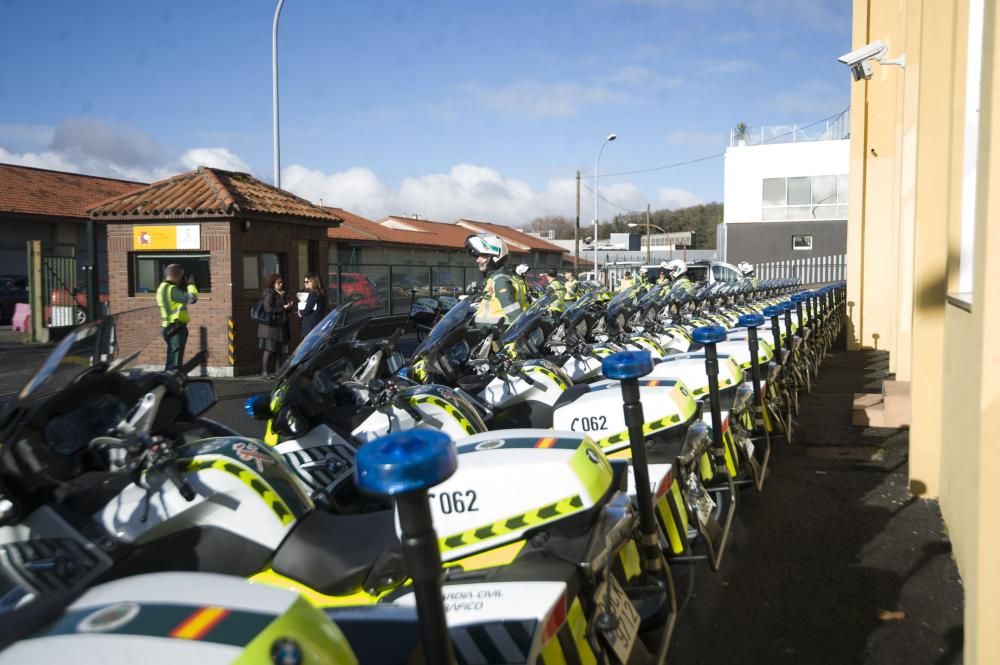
(425, 311)
(336, 393)
(96, 492)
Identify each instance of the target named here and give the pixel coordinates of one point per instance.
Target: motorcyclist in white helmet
(747, 270)
(676, 270)
(520, 280)
(500, 299)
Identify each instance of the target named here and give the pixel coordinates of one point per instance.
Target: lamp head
(612, 137)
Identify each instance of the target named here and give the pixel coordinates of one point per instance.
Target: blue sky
(444, 109)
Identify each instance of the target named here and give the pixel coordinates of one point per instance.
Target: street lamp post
(611, 137)
(274, 93)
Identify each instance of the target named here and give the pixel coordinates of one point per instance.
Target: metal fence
(829, 130)
(389, 289)
(813, 270)
(61, 304)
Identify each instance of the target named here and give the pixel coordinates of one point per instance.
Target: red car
(69, 307)
(353, 283)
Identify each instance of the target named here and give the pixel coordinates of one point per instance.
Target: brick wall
(226, 242)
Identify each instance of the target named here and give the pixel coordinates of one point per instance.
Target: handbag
(260, 314)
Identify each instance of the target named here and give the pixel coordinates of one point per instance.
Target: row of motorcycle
(535, 493)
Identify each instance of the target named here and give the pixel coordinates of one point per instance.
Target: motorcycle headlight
(290, 421)
(613, 529)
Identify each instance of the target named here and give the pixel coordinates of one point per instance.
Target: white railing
(813, 270)
(832, 130)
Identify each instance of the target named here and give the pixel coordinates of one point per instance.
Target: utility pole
(576, 232)
(649, 250)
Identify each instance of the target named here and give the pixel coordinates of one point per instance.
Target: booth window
(146, 269)
(256, 268)
(802, 243)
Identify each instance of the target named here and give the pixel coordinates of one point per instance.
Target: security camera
(860, 60)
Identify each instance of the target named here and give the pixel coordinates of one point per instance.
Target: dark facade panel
(772, 241)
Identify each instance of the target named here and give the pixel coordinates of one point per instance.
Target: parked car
(69, 306)
(354, 283)
(13, 290)
(713, 271)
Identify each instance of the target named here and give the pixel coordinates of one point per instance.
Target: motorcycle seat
(336, 554)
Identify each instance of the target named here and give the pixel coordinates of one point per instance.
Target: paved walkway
(834, 562)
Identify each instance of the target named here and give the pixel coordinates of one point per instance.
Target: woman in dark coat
(313, 309)
(273, 337)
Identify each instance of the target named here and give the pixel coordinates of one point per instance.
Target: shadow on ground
(833, 562)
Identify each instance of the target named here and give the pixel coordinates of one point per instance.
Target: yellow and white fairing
(170, 618)
(596, 410)
(511, 481)
(690, 368)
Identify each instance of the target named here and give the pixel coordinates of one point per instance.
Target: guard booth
(230, 231)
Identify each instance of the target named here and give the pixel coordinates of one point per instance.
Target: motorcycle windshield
(528, 318)
(323, 331)
(455, 317)
(624, 298)
(651, 297)
(580, 307)
(98, 343)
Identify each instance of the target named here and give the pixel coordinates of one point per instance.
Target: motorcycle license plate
(622, 638)
(699, 500)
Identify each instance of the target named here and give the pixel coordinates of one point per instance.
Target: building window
(256, 268)
(146, 269)
(802, 243)
(804, 198)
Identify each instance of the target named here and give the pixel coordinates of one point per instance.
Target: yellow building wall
(908, 140)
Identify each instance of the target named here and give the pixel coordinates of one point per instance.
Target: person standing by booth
(172, 299)
(272, 337)
(313, 309)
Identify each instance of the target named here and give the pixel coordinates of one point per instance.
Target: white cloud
(94, 147)
(676, 198)
(815, 98)
(218, 158)
(466, 191)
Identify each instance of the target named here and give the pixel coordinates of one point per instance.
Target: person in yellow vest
(572, 287)
(173, 296)
(499, 300)
(520, 281)
(676, 270)
(627, 282)
(555, 285)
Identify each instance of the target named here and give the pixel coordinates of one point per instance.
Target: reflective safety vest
(557, 287)
(571, 290)
(499, 289)
(626, 283)
(521, 291)
(685, 283)
(173, 301)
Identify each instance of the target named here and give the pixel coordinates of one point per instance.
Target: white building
(785, 193)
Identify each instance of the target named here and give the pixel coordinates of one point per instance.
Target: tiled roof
(353, 227)
(208, 192)
(425, 231)
(518, 240)
(29, 191)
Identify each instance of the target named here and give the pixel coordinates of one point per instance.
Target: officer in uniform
(572, 287)
(748, 271)
(173, 299)
(627, 282)
(556, 286)
(676, 270)
(499, 300)
(520, 280)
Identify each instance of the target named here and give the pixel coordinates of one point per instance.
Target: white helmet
(643, 270)
(745, 268)
(522, 269)
(489, 245)
(674, 268)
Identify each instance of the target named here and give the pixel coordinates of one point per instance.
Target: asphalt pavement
(834, 562)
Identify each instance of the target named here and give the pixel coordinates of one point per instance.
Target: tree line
(701, 219)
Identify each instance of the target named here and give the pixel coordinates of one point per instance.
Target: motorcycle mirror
(199, 396)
